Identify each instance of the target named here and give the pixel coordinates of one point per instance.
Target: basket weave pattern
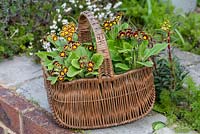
(108, 100)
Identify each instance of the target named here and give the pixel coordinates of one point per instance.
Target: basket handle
(87, 20)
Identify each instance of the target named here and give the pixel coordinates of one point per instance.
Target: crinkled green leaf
(146, 63)
(81, 51)
(115, 56)
(122, 66)
(52, 79)
(72, 71)
(75, 63)
(97, 59)
(95, 73)
(155, 50)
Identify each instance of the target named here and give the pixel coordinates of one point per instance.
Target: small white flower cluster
(102, 10)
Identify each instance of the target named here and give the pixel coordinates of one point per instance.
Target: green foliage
(158, 125)
(130, 53)
(163, 78)
(69, 63)
(149, 13)
(181, 105)
(190, 31)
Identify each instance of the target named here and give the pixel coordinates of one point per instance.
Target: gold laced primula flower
(128, 33)
(62, 54)
(62, 33)
(69, 38)
(66, 47)
(91, 47)
(74, 46)
(57, 64)
(54, 37)
(90, 64)
(65, 70)
(145, 37)
(65, 27)
(82, 64)
(90, 69)
(107, 25)
(61, 78)
(62, 73)
(135, 34)
(121, 34)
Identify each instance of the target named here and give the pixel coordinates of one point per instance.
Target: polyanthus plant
(129, 48)
(70, 59)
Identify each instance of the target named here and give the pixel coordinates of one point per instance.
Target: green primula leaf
(80, 51)
(75, 37)
(47, 62)
(141, 50)
(72, 55)
(124, 50)
(124, 26)
(158, 125)
(60, 43)
(111, 44)
(72, 71)
(92, 74)
(155, 50)
(115, 56)
(122, 66)
(59, 59)
(127, 45)
(50, 66)
(44, 55)
(52, 79)
(75, 63)
(147, 63)
(97, 59)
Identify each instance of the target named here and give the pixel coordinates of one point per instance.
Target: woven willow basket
(108, 100)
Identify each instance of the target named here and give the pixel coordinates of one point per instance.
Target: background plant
(24, 23)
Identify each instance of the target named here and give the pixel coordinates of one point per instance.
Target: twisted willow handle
(87, 21)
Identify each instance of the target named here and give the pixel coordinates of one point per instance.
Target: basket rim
(96, 78)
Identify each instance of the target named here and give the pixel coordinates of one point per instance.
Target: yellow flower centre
(90, 64)
(65, 70)
(61, 78)
(55, 38)
(64, 28)
(69, 38)
(66, 47)
(74, 46)
(89, 69)
(62, 73)
(62, 54)
(144, 37)
(62, 33)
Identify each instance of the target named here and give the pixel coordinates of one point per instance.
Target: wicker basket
(108, 100)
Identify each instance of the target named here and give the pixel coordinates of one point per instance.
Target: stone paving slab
(17, 71)
(34, 90)
(191, 62)
(26, 77)
(142, 126)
